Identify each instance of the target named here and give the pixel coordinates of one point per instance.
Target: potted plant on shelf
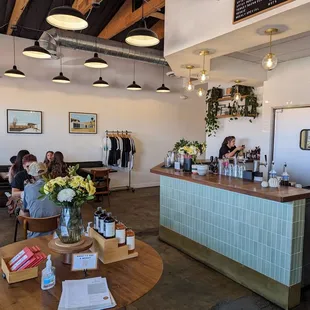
(69, 192)
(189, 150)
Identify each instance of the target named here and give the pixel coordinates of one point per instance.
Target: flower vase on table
(188, 162)
(70, 193)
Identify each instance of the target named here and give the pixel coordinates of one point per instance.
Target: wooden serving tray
(17, 276)
(108, 249)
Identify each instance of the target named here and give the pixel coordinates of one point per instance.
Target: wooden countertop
(281, 194)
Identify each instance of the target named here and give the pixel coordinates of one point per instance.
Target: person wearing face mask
(22, 177)
(228, 148)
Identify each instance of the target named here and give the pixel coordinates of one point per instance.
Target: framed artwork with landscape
(80, 122)
(24, 121)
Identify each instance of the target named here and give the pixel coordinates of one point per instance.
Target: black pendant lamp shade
(14, 72)
(67, 18)
(101, 83)
(61, 79)
(163, 89)
(36, 51)
(96, 62)
(134, 86)
(142, 37)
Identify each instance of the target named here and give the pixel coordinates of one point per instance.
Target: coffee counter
(281, 194)
(253, 235)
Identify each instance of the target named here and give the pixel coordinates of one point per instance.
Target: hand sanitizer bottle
(48, 275)
(87, 229)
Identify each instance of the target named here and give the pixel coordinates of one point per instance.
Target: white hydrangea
(66, 194)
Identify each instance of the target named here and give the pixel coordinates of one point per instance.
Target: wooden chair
(102, 183)
(44, 224)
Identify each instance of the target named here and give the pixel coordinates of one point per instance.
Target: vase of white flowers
(69, 192)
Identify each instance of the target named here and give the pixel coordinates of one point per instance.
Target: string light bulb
(189, 87)
(201, 92)
(203, 75)
(237, 96)
(270, 60)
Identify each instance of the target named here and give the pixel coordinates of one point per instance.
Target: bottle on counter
(285, 176)
(102, 217)
(96, 218)
(109, 226)
(48, 279)
(272, 172)
(120, 233)
(130, 240)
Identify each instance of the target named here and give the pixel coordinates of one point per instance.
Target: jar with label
(120, 233)
(96, 218)
(109, 226)
(130, 240)
(102, 217)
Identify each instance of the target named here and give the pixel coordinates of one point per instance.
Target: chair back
(101, 181)
(44, 224)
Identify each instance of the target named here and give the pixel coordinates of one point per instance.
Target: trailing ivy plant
(249, 109)
(212, 102)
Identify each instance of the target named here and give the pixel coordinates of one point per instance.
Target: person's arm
(233, 152)
(17, 186)
(11, 177)
(16, 193)
(24, 213)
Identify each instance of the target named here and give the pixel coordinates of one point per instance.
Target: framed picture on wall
(24, 121)
(80, 122)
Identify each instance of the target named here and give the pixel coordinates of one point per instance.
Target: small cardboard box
(17, 276)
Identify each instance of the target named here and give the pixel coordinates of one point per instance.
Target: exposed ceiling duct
(53, 37)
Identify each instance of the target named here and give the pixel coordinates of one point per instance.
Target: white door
(288, 125)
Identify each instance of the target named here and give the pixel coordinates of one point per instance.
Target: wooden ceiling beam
(82, 5)
(159, 29)
(158, 15)
(125, 18)
(16, 14)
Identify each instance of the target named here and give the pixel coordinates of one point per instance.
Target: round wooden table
(128, 280)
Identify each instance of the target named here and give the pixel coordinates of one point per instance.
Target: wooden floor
(186, 283)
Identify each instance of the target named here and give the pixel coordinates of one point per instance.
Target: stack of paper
(86, 294)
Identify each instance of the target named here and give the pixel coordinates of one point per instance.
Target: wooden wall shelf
(233, 116)
(228, 98)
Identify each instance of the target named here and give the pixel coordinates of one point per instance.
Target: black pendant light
(14, 72)
(67, 18)
(36, 51)
(100, 82)
(134, 86)
(142, 36)
(163, 88)
(61, 79)
(96, 62)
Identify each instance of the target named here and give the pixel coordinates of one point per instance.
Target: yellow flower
(60, 181)
(92, 189)
(48, 188)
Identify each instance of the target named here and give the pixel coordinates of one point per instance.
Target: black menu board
(245, 9)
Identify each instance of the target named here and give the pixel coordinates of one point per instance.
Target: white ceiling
(294, 47)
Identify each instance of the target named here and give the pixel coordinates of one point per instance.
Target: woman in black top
(58, 167)
(228, 148)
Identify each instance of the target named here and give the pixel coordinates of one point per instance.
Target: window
(304, 142)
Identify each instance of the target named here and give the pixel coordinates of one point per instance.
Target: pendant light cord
(163, 75)
(203, 63)
(270, 43)
(14, 49)
(60, 56)
(134, 70)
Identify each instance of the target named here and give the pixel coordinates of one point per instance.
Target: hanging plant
(249, 109)
(213, 95)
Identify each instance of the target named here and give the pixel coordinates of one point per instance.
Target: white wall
(189, 23)
(157, 120)
(249, 134)
(287, 85)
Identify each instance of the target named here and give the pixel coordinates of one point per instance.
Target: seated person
(22, 177)
(49, 156)
(17, 165)
(34, 207)
(58, 168)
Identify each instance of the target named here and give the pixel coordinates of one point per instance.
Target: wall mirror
(304, 142)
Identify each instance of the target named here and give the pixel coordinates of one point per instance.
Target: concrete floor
(185, 283)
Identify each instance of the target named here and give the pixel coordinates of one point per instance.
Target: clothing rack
(127, 187)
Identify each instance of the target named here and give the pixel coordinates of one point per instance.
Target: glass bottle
(285, 176)
(102, 217)
(109, 226)
(96, 218)
(130, 240)
(272, 172)
(120, 233)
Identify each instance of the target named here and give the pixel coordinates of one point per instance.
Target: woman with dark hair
(48, 158)
(228, 148)
(58, 167)
(17, 165)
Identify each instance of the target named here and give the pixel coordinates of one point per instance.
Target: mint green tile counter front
(264, 235)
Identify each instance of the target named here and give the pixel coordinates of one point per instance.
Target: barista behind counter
(228, 148)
